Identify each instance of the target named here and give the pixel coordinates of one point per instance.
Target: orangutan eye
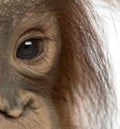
(30, 49)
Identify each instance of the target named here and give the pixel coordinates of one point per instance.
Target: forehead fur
(6, 2)
(8, 8)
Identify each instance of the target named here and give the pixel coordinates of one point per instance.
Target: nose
(15, 107)
(12, 109)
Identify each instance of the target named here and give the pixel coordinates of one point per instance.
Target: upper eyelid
(29, 34)
(32, 30)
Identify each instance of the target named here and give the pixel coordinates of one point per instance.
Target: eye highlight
(30, 49)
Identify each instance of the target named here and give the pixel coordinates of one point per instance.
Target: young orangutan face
(29, 50)
(53, 71)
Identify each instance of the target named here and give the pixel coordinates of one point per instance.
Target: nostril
(30, 100)
(12, 113)
(15, 112)
(13, 109)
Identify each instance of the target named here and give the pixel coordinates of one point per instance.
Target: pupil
(28, 49)
(27, 44)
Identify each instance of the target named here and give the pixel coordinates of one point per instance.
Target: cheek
(43, 117)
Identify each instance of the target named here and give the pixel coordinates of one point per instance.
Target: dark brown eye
(30, 49)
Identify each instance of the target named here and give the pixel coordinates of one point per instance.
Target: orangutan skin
(53, 72)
